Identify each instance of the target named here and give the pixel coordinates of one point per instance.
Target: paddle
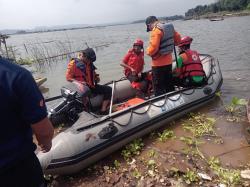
(112, 96)
(127, 66)
(53, 98)
(175, 55)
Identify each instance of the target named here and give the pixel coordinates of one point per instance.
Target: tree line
(220, 5)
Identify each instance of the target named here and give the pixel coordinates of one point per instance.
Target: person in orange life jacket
(189, 67)
(163, 38)
(22, 113)
(133, 63)
(82, 70)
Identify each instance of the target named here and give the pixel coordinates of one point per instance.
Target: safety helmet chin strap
(185, 47)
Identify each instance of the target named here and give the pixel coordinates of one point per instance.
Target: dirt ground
(176, 156)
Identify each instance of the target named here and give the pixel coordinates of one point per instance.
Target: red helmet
(185, 41)
(139, 42)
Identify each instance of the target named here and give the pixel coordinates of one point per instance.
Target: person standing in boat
(82, 70)
(133, 63)
(163, 38)
(22, 110)
(189, 71)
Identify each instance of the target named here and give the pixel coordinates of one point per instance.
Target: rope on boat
(132, 111)
(167, 97)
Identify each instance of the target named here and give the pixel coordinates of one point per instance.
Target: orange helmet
(139, 42)
(185, 41)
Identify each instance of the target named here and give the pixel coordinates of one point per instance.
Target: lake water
(227, 40)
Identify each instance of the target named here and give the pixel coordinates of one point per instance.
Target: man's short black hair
(150, 19)
(90, 54)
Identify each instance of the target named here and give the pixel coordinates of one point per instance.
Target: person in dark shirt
(22, 110)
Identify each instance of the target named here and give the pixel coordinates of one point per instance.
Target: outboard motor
(66, 112)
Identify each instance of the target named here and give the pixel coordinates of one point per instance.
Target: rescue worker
(189, 67)
(163, 39)
(22, 110)
(82, 70)
(133, 63)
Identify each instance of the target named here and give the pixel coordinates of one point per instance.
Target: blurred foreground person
(22, 110)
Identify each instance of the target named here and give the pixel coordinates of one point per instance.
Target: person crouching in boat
(189, 70)
(82, 70)
(133, 63)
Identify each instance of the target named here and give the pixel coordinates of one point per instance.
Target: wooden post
(248, 110)
(25, 48)
(3, 40)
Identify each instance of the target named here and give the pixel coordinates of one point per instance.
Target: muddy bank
(206, 148)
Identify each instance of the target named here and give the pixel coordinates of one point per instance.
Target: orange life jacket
(192, 66)
(129, 103)
(82, 72)
(155, 39)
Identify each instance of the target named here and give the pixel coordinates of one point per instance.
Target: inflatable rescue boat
(91, 137)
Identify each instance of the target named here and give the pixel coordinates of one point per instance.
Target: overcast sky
(26, 14)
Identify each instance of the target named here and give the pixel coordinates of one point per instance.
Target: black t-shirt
(21, 105)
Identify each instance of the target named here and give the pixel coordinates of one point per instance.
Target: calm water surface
(228, 41)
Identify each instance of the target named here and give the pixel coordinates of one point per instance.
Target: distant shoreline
(220, 14)
(196, 17)
(19, 32)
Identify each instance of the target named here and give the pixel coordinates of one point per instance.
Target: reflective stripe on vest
(193, 66)
(167, 41)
